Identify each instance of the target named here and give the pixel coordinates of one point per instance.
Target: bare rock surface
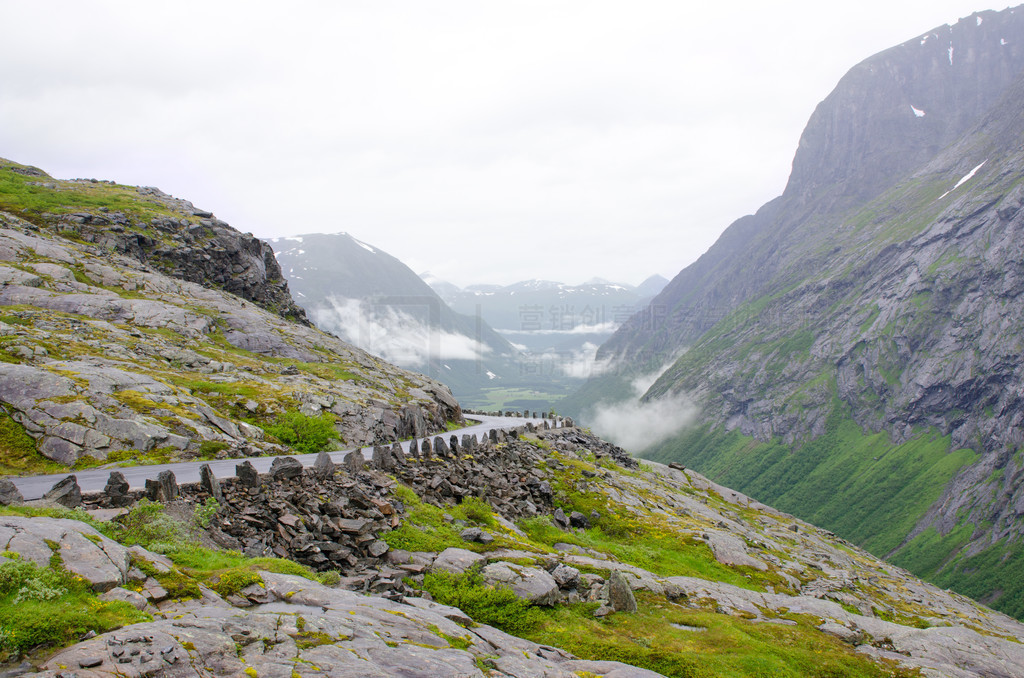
(303, 623)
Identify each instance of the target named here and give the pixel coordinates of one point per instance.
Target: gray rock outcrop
(298, 623)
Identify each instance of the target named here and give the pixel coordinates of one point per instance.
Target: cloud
(597, 328)
(487, 142)
(394, 335)
(636, 425)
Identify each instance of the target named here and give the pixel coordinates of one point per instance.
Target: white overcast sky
(486, 142)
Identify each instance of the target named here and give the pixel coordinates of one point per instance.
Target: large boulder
(9, 493)
(285, 467)
(620, 594)
(367, 636)
(528, 583)
(85, 552)
(456, 560)
(66, 492)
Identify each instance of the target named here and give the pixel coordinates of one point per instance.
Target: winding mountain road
(94, 480)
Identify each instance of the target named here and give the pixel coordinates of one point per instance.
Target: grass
(18, 453)
(725, 646)
(861, 486)
(496, 606)
(663, 551)
(303, 433)
(638, 537)
(20, 195)
(425, 528)
(47, 607)
(994, 576)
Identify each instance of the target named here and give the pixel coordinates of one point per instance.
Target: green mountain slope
(855, 346)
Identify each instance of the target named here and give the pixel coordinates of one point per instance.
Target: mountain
(373, 300)
(134, 326)
(549, 306)
(852, 350)
(652, 286)
(560, 325)
(450, 564)
(536, 550)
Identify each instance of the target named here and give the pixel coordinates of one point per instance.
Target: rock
(370, 636)
(620, 594)
(560, 519)
(566, 577)
(456, 560)
(354, 461)
(452, 613)
(381, 458)
(117, 489)
(209, 483)
(528, 583)
(283, 468)
(475, 534)
(133, 598)
(247, 474)
(66, 492)
(843, 633)
(164, 489)
(84, 552)
(729, 549)
(577, 519)
(377, 548)
(323, 467)
(9, 493)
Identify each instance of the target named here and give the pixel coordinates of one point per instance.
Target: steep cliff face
(855, 345)
(887, 117)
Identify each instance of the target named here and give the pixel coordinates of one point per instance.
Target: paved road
(94, 480)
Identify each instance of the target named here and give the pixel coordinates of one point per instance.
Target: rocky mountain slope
(534, 551)
(854, 346)
(133, 325)
(610, 568)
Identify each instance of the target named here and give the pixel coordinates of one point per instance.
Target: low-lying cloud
(394, 335)
(636, 425)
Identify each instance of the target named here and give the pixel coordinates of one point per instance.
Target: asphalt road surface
(94, 480)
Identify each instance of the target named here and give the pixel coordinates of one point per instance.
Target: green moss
(234, 580)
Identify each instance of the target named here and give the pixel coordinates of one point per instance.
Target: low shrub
(50, 607)
(302, 433)
(147, 525)
(233, 581)
(498, 607)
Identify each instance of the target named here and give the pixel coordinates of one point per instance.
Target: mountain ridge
(866, 325)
